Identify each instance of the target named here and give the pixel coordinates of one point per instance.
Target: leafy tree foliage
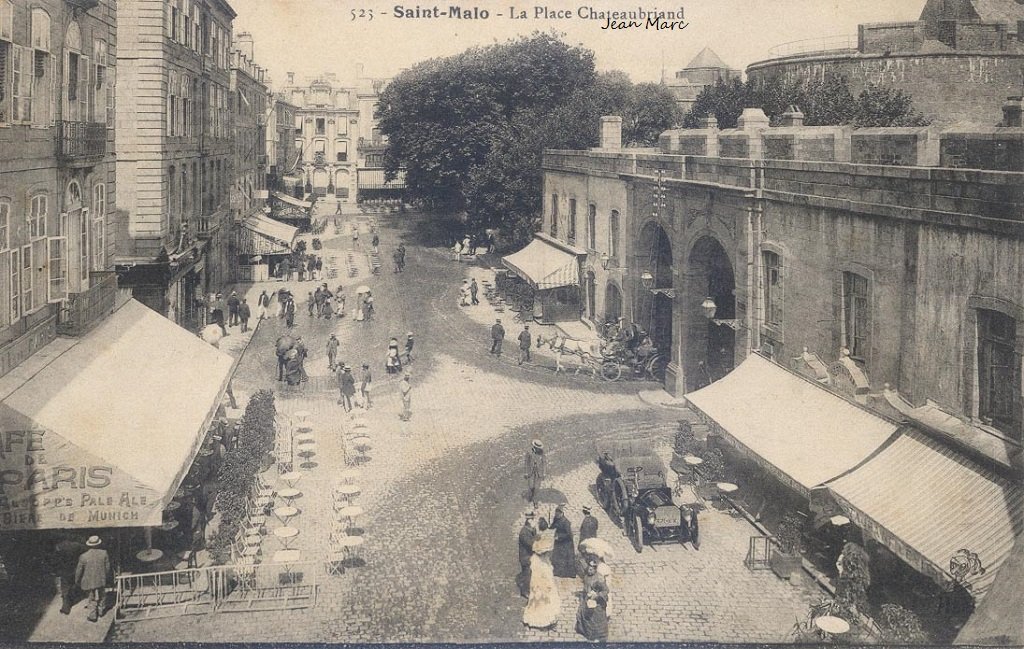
(470, 129)
(824, 102)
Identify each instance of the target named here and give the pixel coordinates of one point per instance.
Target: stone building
(333, 119)
(764, 260)
(282, 155)
(174, 153)
(249, 99)
(57, 183)
(706, 69)
(958, 61)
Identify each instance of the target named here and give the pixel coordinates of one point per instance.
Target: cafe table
(830, 625)
(287, 536)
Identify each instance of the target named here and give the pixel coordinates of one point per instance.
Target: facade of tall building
(282, 154)
(249, 99)
(706, 69)
(332, 119)
(958, 61)
(174, 153)
(57, 182)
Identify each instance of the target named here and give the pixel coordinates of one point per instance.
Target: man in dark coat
(217, 313)
(473, 289)
(408, 347)
(563, 557)
(401, 257)
(588, 528)
(535, 465)
(233, 303)
(346, 387)
(93, 575)
(65, 562)
(284, 343)
(244, 313)
(524, 344)
(527, 535)
(497, 336)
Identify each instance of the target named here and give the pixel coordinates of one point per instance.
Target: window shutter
(5, 286)
(65, 87)
(28, 80)
(53, 90)
(58, 284)
(16, 83)
(84, 88)
(84, 251)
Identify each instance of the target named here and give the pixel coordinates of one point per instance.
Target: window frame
(5, 224)
(35, 218)
(571, 229)
(592, 227)
(987, 341)
(856, 315)
(554, 215)
(614, 225)
(773, 291)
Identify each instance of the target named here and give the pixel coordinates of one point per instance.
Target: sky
(314, 36)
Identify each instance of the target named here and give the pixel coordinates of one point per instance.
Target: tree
(725, 100)
(651, 109)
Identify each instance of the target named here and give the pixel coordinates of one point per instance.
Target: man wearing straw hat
(527, 535)
(535, 464)
(93, 575)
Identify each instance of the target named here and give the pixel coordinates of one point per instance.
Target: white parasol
(362, 288)
(212, 334)
(599, 548)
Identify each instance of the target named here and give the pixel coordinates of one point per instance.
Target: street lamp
(647, 280)
(709, 307)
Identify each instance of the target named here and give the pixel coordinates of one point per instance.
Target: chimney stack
(792, 117)
(611, 132)
(1012, 109)
(244, 44)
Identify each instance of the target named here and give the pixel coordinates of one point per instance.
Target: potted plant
(785, 559)
(900, 626)
(854, 576)
(683, 445)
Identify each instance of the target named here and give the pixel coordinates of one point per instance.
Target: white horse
(589, 352)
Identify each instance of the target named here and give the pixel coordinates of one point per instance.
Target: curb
(675, 404)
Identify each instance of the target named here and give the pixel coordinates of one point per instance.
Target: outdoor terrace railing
(81, 141)
(84, 310)
(838, 43)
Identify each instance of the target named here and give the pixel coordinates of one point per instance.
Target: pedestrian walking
(311, 267)
(396, 257)
(408, 347)
(464, 293)
(233, 303)
(320, 268)
(355, 234)
(375, 242)
(527, 535)
(473, 289)
(289, 311)
(405, 389)
(524, 344)
(244, 313)
(325, 306)
(346, 387)
(311, 302)
(284, 344)
(65, 563)
(497, 337)
(262, 304)
(285, 269)
(588, 527)
(217, 313)
(392, 359)
(365, 379)
(301, 267)
(93, 576)
(368, 307)
(536, 463)
(332, 351)
(563, 557)
(339, 306)
(282, 300)
(318, 302)
(401, 257)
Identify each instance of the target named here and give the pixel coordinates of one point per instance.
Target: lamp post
(709, 308)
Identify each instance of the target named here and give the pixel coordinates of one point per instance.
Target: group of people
(319, 302)
(83, 568)
(309, 267)
(348, 386)
(468, 293)
(291, 359)
(393, 358)
(238, 312)
(525, 339)
(398, 257)
(470, 245)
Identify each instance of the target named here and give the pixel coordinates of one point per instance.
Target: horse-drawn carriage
(633, 488)
(610, 358)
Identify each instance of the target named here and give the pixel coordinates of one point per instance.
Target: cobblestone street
(443, 493)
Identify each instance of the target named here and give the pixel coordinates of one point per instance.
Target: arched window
(40, 30)
(38, 209)
(76, 76)
(341, 150)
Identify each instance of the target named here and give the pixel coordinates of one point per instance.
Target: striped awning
(544, 265)
(374, 179)
(794, 428)
(285, 198)
(926, 502)
(261, 235)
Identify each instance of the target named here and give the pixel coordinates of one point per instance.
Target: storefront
(100, 431)
(293, 211)
(262, 244)
(551, 269)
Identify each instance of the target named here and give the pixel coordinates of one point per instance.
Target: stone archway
(653, 306)
(710, 348)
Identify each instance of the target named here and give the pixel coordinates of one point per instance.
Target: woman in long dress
(544, 604)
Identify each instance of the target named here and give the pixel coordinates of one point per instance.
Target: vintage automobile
(633, 489)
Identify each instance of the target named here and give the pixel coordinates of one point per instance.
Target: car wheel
(611, 371)
(638, 538)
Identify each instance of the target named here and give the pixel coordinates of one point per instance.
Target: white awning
(104, 432)
(285, 198)
(261, 235)
(544, 265)
(795, 428)
(925, 502)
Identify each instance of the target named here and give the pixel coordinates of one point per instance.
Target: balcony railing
(84, 310)
(81, 141)
(839, 43)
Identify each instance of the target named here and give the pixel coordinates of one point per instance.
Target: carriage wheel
(611, 371)
(638, 537)
(620, 499)
(603, 497)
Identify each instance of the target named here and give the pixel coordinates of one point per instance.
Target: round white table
(290, 478)
(346, 493)
(289, 494)
(350, 545)
(285, 513)
(168, 526)
(287, 535)
(832, 625)
(150, 555)
(727, 487)
(350, 513)
(693, 460)
(839, 521)
(305, 438)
